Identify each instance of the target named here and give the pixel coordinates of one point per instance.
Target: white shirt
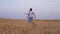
(30, 14)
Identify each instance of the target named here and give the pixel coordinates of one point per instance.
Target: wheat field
(18, 26)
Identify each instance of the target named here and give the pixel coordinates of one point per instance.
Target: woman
(30, 15)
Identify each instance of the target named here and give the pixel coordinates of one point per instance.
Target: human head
(30, 9)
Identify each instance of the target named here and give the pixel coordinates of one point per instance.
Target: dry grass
(14, 26)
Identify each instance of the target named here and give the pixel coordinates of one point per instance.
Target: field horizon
(21, 26)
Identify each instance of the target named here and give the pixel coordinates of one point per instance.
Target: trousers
(30, 19)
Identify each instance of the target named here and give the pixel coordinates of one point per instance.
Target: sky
(44, 9)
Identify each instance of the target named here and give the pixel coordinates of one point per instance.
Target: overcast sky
(44, 9)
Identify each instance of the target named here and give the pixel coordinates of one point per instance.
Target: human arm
(34, 14)
(26, 13)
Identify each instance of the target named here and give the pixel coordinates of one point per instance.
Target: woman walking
(31, 15)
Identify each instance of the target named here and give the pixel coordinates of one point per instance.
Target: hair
(30, 9)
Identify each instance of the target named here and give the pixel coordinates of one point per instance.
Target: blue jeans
(30, 19)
